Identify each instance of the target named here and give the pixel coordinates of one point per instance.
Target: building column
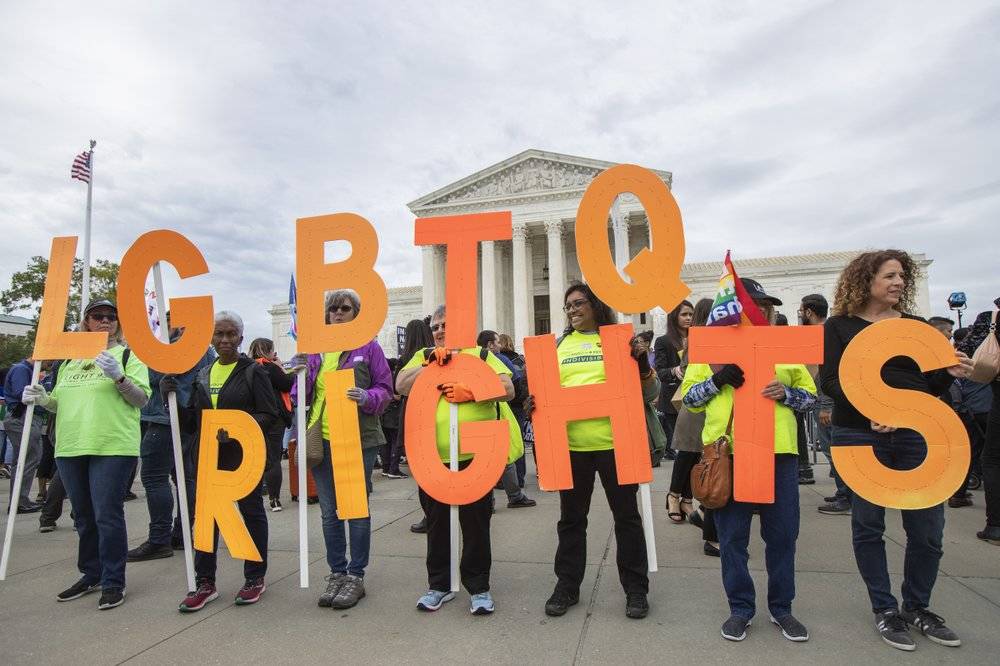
(429, 284)
(488, 288)
(439, 273)
(557, 275)
(521, 282)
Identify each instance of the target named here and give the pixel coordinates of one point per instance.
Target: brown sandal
(674, 512)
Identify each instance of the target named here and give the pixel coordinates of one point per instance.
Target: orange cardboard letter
(756, 349)
(460, 234)
(619, 397)
(655, 271)
(947, 461)
(488, 440)
(345, 446)
(218, 489)
(194, 313)
(314, 277)
(51, 341)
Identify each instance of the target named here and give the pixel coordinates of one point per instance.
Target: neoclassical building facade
(522, 281)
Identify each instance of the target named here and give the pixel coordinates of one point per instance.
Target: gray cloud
(790, 128)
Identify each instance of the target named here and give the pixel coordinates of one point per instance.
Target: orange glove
(456, 392)
(440, 354)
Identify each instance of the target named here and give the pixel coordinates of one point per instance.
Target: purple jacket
(369, 356)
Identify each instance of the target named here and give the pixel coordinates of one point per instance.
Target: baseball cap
(102, 303)
(757, 292)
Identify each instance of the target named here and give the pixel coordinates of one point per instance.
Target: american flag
(81, 167)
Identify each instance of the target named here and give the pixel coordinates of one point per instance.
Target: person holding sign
(96, 404)
(232, 382)
(372, 391)
(711, 390)
(591, 451)
(474, 518)
(879, 286)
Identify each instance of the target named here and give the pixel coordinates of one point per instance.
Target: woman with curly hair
(874, 287)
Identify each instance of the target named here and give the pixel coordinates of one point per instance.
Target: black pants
(54, 496)
(680, 478)
(708, 529)
(574, 505)
(272, 469)
(800, 436)
(477, 557)
(47, 465)
(991, 461)
(251, 508)
(391, 450)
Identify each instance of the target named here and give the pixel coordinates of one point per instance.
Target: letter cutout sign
(51, 341)
(488, 440)
(194, 314)
(345, 446)
(218, 489)
(619, 397)
(756, 349)
(655, 272)
(947, 461)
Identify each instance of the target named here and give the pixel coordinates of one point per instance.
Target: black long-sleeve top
(666, 357)
(900, 372)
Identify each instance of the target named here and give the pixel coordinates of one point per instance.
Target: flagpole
(85, 290)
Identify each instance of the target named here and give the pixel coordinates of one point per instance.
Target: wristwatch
(120, 380)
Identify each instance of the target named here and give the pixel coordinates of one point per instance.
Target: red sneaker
(250, 592)
(196, 600)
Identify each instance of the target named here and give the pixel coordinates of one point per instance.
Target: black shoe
(149, 551)
(735, 628)
(959, 501)
(523, 501)
(696, 519)
(832, 498)
(177, 544)
(806, 477)
(791, 628)
(419, 528)
(636, 605)
(836, 509)
(129, 496)
(932, 626)
(560, 602)
(892, 628)
(991, 534)
(112, 597)
(77, 590)
(30, 507)
(312, 500)
(710, 550)
(46, 525)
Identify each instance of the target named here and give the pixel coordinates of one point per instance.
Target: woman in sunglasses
(372, 391)
(96, 404)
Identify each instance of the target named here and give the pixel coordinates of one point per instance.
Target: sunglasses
(104, 317)
(340, 308)
(437, 327)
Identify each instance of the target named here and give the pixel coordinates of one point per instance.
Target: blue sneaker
(482, 604)
(433, 600)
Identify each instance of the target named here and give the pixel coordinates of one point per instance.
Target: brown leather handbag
(712, 476)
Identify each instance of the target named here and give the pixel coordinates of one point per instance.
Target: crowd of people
(98, 418)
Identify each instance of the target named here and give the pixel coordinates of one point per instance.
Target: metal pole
(15, 492)
(85, 288)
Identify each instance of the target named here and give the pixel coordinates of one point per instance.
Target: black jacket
(666, 357)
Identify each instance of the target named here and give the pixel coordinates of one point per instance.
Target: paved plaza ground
(686, 597)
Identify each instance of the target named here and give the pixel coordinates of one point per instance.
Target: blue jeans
(96, 488)
(333, 527)
(157, 453)
(903, 449)
(779, 527)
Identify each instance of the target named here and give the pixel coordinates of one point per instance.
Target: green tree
(28, 286)
(13, 348)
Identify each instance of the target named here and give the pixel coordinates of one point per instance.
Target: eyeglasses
(104, 316)
(437, 327)
(576, 305)
(342, 308)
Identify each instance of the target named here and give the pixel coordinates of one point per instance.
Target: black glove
(730, 374)
(168, 384)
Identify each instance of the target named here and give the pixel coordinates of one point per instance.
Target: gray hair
(348, 295)
(231, 317)
(438, 312)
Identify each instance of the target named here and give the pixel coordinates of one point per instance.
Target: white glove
(109, 365)
(35, 394)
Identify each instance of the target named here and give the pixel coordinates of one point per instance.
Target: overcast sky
(789, 127)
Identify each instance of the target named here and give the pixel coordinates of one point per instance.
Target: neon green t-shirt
(92, 418)
(717, 409)
(581, 362)
(330, 362)
(217, 376)
(473, 411)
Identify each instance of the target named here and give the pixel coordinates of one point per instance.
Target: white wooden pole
(647, 526)
(15, 492)
(300, 452)
(453, 515)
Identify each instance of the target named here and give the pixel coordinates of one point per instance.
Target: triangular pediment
(525, 175)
